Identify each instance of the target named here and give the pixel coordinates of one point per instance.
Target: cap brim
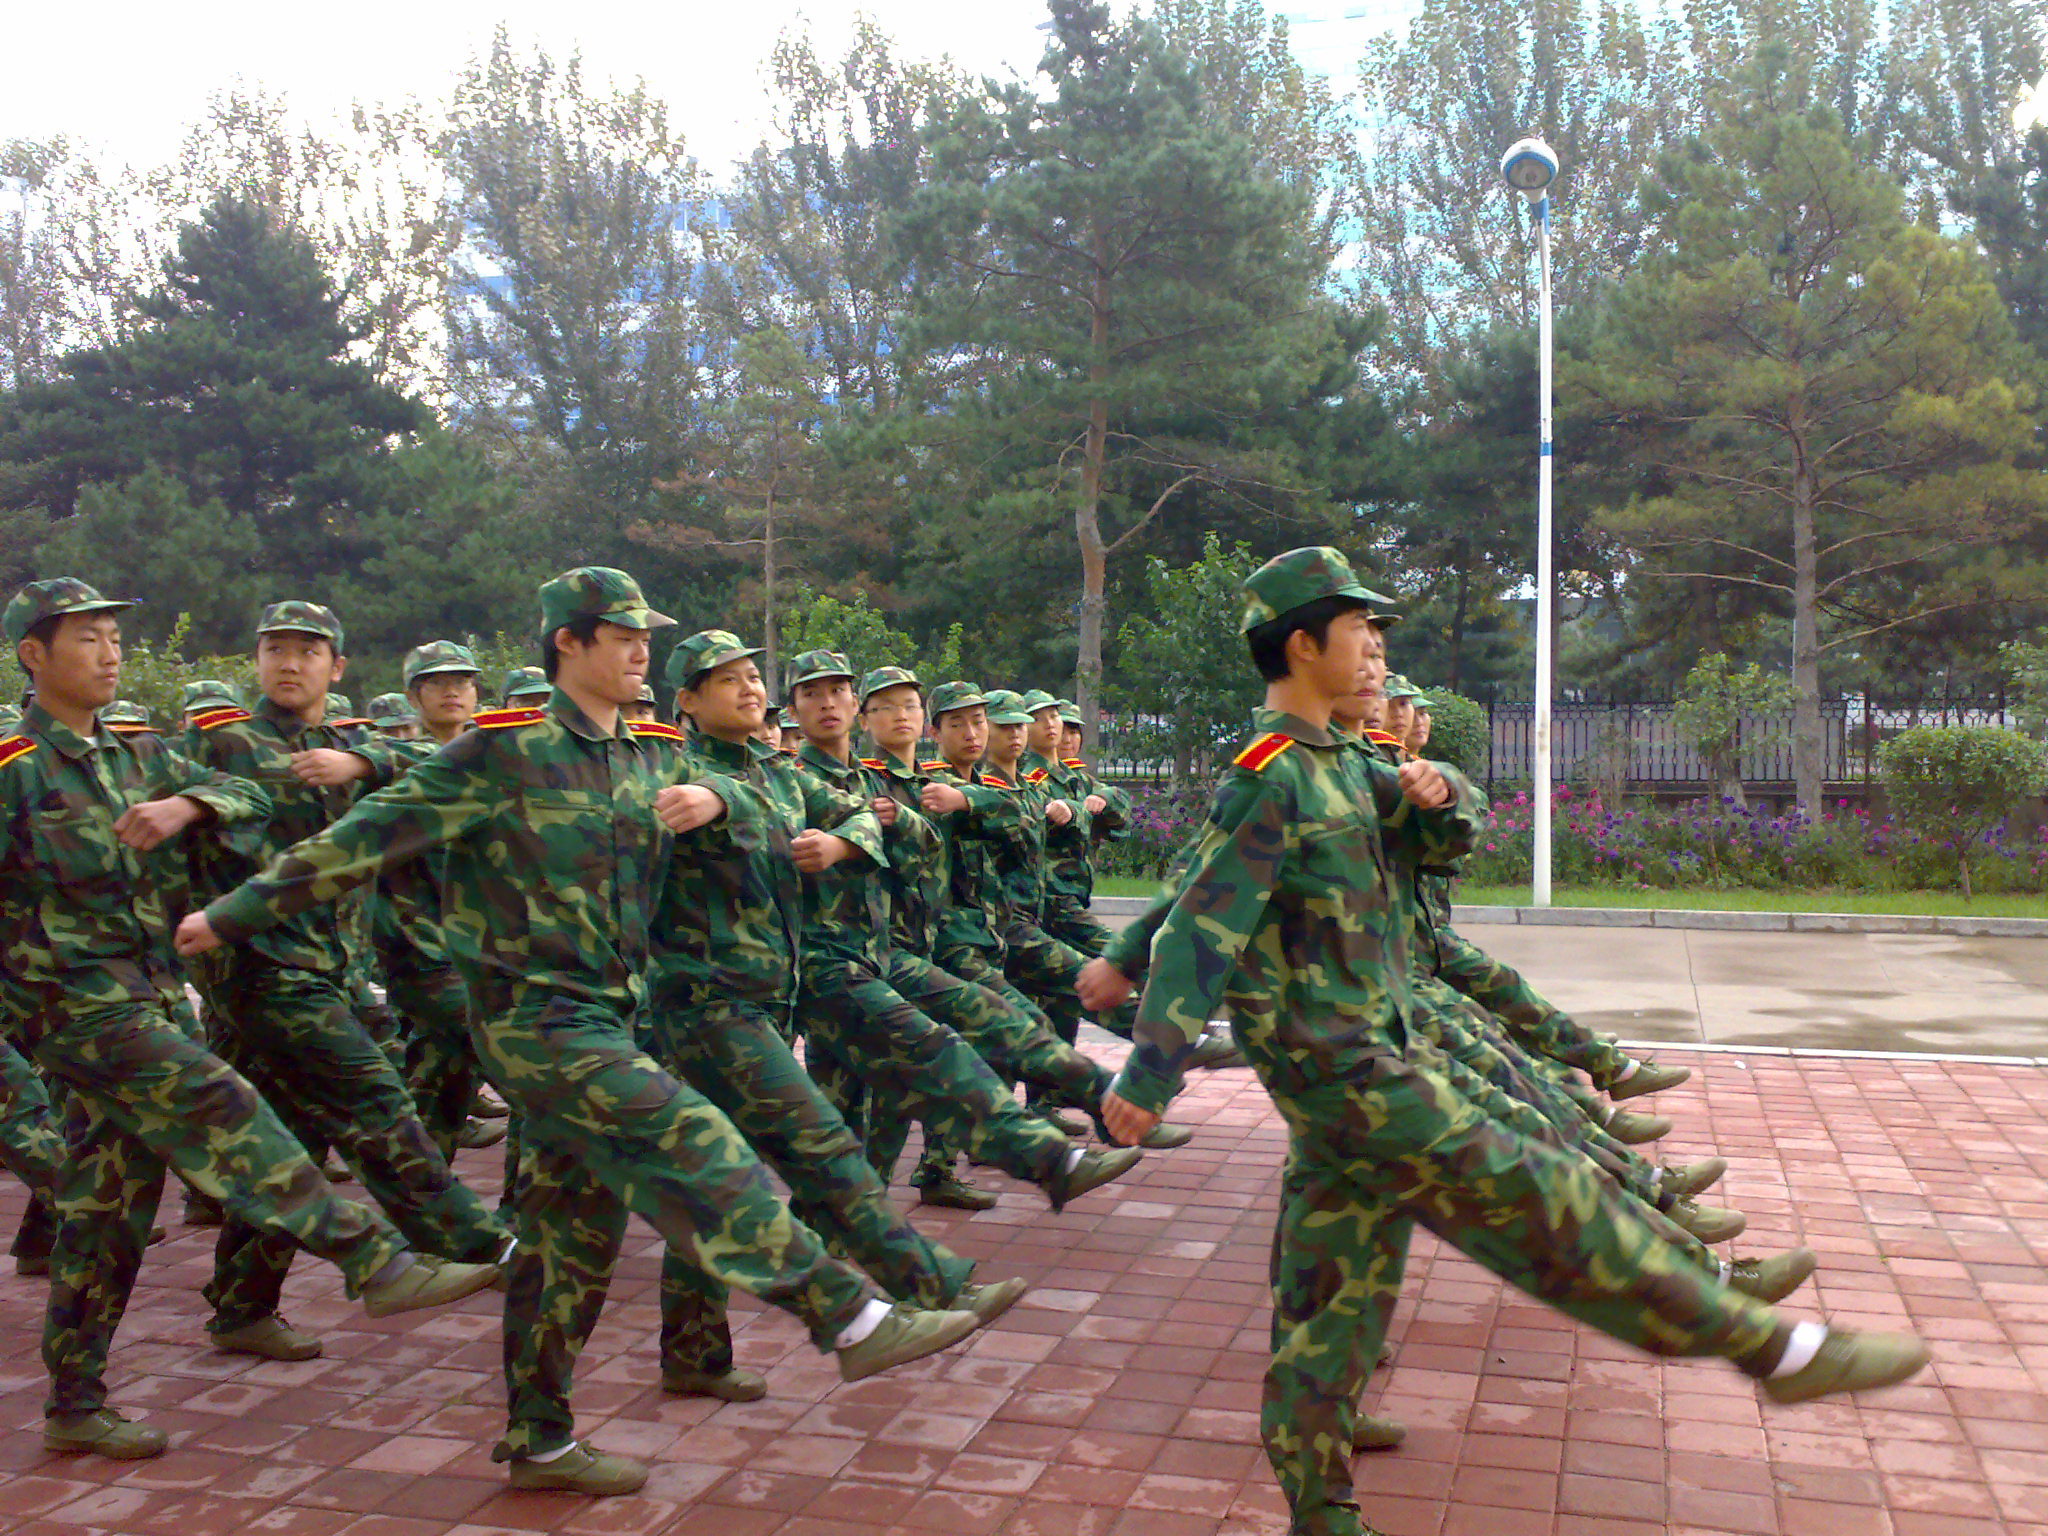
(968, 703)
(444, 672)
(638, 618)
(296, 629)
(1006, 717)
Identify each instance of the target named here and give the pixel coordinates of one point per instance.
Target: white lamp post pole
(1530, 166)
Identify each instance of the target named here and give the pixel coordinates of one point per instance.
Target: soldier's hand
(1096, 805)
(195, 936)
(1059, 813)
(939, 799)
(1102, 987)
(885, 810)
(1425, 786)
(326, 768)
(814, 852)
(686, 807)
(1126, 1123)
(147, 825)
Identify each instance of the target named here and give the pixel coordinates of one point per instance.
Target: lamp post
(1530, 166)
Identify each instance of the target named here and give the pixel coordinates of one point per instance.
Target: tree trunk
(768, 644)
(1458, 621)
(1087, 510)
(1807, 744)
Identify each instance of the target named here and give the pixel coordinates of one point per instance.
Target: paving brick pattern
(1120, 1398)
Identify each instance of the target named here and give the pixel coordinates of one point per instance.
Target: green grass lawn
(1917, 903)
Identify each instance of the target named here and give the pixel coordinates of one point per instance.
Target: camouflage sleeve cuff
(864, 830)
(1131, 950)
(238, 916)
(1146, 1080)
(385, 760)
(221, 805)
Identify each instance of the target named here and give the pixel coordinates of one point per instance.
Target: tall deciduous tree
(1827, 395)
(1106, 254)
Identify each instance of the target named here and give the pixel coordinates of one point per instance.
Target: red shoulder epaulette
(129, 728)
(214, 719)
(660, 729)
(1260, 754)
(351, 720)
(992, 782)
(498, 719)
(937, 765)
(1074, 762)
(1380, 738)
(1036, 776)
(15, 746)
(873, 762)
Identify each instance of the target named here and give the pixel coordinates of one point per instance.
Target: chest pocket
(78, 848)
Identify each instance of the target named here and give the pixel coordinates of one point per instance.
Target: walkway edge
(1752, 922)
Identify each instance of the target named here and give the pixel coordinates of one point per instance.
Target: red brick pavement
(1120, 1398)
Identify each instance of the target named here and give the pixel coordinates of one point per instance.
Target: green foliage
(1953, 783)
(813, 621)
(1712, 702)
(1459, 731)
(1182, 673)
(2027, 667)
(154, 673)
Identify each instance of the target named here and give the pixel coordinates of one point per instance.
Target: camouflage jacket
(846, 909)
(920, 873)
(729, 921)
(553, 854)
(1286, 910)
(404, 905)
(82, 915)
(1070, 849)
(258, 747)
(979, 904)
(1018, 845)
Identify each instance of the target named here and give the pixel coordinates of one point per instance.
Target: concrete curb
(1738, 922)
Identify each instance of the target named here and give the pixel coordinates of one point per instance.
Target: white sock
(870, 1318)
(1801, 1348)
(1727, 1271)
(511, 1247)
(1656, 1178)
(544, 1457)
(1073, 1160)
(1628, 1071)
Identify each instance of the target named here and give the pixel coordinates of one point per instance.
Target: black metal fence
(1637, 742)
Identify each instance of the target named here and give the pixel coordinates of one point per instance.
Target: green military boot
(1773, 1279)
(1060, 1121)
(1377, 1432)
(426, 1282)
(1648, 1077)
(1708, 1223)
(268, 1338)
(480, 1133)
(1851, 1362)
(951, 1192)
(1094, 1170)
(733, 1386)
(203, 1210)
(104, 1433)
(1632, 1127)
(336, 1173)
(908, 1333)
(1691, 1178)
(32, 1264)
(485, 1105)
(1164, 1138)
(990, 1301)
(1216, 1050)
(580, 1469)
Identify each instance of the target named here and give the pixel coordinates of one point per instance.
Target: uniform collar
(570, 713)
(287, 722)
(50, 729)
(720, 753)
(1292, 726)
(822, 761)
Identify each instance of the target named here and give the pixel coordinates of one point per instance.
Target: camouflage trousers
(32, 1149)
(440, 1062)
(922, 1069)
(294, 1035)
(1541, 1028)
(737, 1057)
(1005, 1030)
(605, 1132)
(1392, 1144)
(143, 1095)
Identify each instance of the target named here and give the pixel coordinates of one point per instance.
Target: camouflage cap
(1070, 712)
(699, 653)
(295, 617)
(816, 666)
(435, 657)
(887, 677)
(953, 695)
(340, 707)
(524, 682)
(126, 712)
(1423, 701)
(40, 600)
(1006, 707)
(599, 591)
(647, 694)
(10, 718)
(1398, 687)
(786, 720)
(1300, 577)
(392, 709)
(207, 693)
(1038, 699)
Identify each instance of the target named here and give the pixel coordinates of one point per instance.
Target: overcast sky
(130, 77)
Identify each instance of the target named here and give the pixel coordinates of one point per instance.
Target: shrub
(1458, 730)
(1954, 784)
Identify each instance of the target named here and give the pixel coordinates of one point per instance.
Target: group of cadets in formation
(620, 929)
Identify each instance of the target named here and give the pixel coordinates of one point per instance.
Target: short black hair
(1268, 641)
(583, 627)
(43, 632)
